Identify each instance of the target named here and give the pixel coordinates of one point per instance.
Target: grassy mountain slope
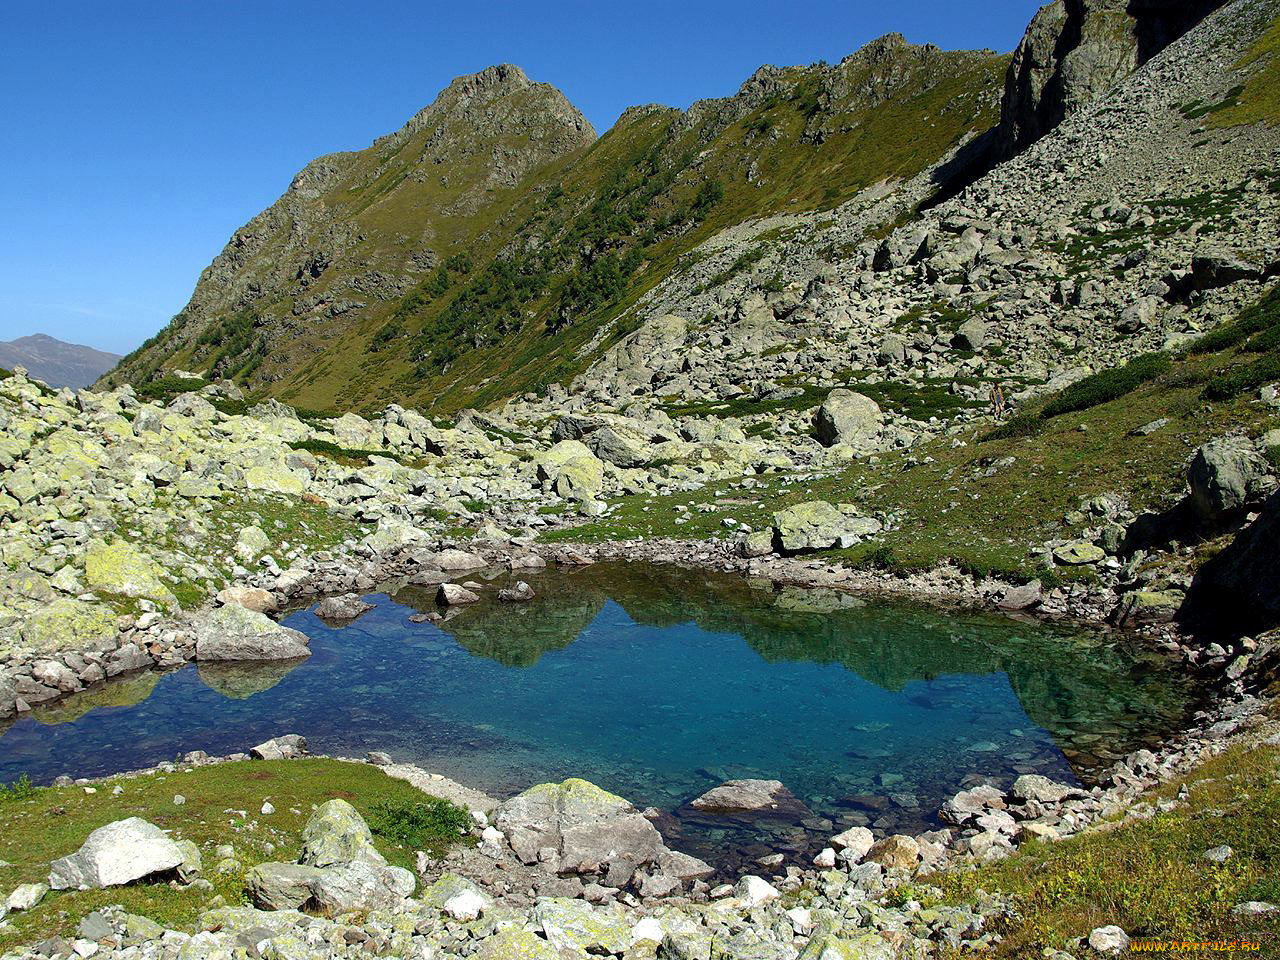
(462, 287)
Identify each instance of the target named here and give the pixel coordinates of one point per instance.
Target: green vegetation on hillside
(979, 503)
(1258, 98)
(1149, 877)
(516, 280)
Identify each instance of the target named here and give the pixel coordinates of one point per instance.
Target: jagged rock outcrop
(1075, 50)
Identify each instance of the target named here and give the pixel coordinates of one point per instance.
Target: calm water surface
(656, 683)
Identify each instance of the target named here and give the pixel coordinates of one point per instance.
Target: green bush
(1107, 385)
(1261, 316)
(1232, 383)
(1016, 427)
(166, 388)
(425, 824)
(20, 789)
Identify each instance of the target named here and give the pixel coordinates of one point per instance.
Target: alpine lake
(657, 683)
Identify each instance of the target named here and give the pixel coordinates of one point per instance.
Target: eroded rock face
(118, 853)
(235, 633)
(1075, 50)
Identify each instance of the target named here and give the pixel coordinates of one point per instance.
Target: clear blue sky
(137, 136)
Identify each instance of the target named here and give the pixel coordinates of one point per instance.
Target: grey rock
(1225, 475)
(234, 633)
(281, 748)
(118, 853)
(847, 417)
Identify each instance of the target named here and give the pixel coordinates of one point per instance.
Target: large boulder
(818, 525)
(1225, 475)
(235, 633)
(584, 828)
(121, 568)
(847, 417)
(1075, 50)
(576, 927)
(118, 853)
(336, 833)
(573, 471)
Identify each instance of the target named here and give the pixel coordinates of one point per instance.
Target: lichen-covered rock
(67, 624)
(1226, 474)
(847, 417)
(867, 946)
(514, 944)
(336, 833)
(121, 568)
(118, 853)
(281, 886)
(576, 926)
(818, 525)
(276, 477)
(572, 469)
(235, 633)
(1078, 553)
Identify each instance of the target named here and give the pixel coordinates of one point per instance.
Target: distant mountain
(56, 363)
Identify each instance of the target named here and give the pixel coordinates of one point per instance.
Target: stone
(455, 560)
(971, 803)
(682, 867)
(867, 946)
(971, 335)
(818, 525)
(121, 568)
(847, 417)
(516, 944)
(1219, 854)
(573, 471)
(251, 598)
(519, 592)
(235, 633)
(587, 829)
(1078, 553)
(191, 866)
(1226, 474)
(348, 606)
(745, 796)
(1022, 596)
(854, 843)
(281, 886)
(1148, 606)
(1255, 908)
(95, 927)
(454, 594)
(1109, 939)
(337, 834)
(1033, 786)
(115, 854)
(286, 747)
(754, 891)
(27, 895)
(465, 906)
(577, 927)
(896, 852)
(361, 885)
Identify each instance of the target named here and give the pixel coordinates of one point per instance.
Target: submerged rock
(746, 796)
(345, 607)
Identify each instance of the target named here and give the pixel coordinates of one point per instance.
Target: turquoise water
(656, 683)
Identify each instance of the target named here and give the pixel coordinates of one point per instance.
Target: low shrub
(425, 824)
(1251, 376)
(1016, 427)
(1107, 385)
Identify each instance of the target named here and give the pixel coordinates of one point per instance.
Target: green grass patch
(40, 825)
(1258, 99)
(347, 456)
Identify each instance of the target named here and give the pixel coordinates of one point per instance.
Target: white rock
(753, 891)
(267, 808)
(801, 920)
(118, 853)
(855, 842)
(27, 896)
(647, 929)
(826, 858)
(1110, 939)
(467, 905)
